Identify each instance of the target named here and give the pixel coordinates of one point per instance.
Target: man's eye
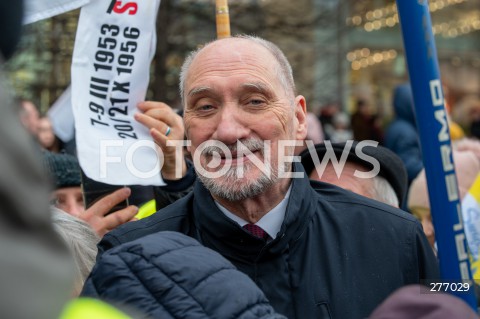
(205, 107)
(256, 102)
(54, 201)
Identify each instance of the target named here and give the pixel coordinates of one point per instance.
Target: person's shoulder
(154, 245)
(171, 218)
(399, 125)
(349, 205)
(139, 272)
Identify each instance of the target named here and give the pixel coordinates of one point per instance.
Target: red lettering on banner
(130, 6)
(117, 7)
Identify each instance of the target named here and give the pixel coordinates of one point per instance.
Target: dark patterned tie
(256, 231)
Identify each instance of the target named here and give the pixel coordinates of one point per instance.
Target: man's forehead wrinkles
(256, 85)
(232, 61)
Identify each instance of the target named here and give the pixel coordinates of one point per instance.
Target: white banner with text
(114, 46)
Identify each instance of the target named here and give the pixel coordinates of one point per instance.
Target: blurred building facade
(341, 51)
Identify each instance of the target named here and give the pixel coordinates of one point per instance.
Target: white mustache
(241, 147)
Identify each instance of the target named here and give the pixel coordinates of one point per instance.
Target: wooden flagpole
(223, 19)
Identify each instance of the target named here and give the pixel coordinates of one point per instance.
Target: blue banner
(434, 134)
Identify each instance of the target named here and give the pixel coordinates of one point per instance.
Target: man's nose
(231, 127)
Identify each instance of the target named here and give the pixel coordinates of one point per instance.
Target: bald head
(229, 45)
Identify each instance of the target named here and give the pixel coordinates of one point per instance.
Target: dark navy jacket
(337, 255)
(169, 275)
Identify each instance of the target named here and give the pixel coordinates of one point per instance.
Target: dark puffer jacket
(169, 275)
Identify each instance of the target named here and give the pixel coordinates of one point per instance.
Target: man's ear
(301, 117)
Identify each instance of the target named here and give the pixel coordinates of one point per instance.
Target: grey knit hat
(63, 169)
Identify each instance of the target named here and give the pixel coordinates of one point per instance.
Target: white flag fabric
(61, 116)
(114, 46)
(36, 10)
(471, 222)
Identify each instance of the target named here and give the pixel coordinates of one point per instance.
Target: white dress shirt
(270, 222)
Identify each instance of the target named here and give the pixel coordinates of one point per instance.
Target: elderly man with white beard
(316, 252)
